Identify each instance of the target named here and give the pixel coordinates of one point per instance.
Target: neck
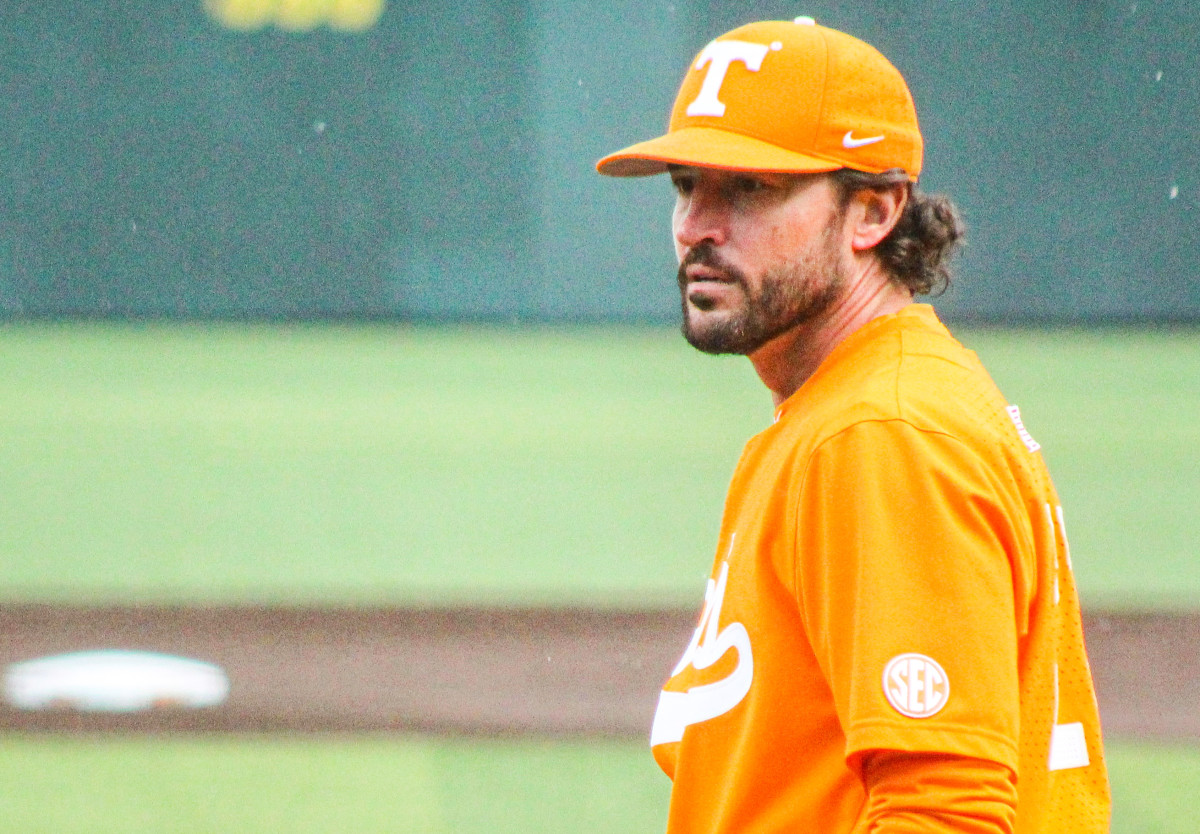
(787, 361)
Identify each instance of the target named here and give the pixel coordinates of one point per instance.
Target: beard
(789, 294)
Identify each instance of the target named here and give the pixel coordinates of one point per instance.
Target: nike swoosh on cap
(848, 141)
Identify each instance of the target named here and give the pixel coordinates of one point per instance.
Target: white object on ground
(113, 680)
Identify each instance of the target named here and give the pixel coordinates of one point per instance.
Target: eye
(749, 185)
(684, 184)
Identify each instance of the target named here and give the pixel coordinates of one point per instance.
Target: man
(891, 640)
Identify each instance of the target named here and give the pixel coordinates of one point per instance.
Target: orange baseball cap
(784, 97)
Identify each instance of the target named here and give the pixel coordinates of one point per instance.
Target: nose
(700, 215)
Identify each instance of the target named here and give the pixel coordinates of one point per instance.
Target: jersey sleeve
(904, 577)
(928, 794)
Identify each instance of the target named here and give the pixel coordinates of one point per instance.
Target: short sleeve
(905, 584)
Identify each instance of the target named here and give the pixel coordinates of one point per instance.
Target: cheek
(676, 216)
(791, 231)
(783, 239)
(779, 243)
(817, 232)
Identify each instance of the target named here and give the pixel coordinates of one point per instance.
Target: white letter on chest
(678, 710)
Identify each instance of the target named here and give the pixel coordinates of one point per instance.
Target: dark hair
(916, 252)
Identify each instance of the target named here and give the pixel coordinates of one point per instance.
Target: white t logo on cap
(719, 55)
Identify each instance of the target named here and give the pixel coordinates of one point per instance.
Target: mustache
(705, 254)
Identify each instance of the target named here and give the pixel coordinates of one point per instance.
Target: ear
(874, 213)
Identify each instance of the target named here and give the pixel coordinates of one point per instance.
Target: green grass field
(394, 464)
(388, 463)
(55, 785)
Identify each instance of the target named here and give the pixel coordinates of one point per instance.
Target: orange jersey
(892, 573)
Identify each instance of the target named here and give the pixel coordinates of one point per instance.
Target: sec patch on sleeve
(915, 685)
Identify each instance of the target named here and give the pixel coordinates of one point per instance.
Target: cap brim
(708, 147)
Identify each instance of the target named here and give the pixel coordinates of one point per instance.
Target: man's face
(758, 254)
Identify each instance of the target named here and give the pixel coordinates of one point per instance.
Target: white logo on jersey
(915, 685)
(1068, 742)
(1026, 438)
(679, 710)
(719, 55)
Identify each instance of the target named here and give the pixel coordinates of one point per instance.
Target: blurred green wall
(438, 164)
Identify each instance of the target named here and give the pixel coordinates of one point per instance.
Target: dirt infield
(472, 670)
